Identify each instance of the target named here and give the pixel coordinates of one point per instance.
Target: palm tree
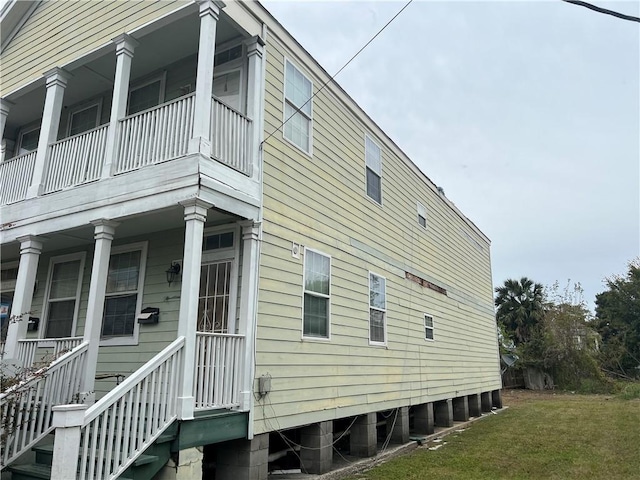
(519, 308)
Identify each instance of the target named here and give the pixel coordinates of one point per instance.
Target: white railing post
(248, 309)
(200, 141)
(103, 234)
(67, 421)
(255, 54)
(195, 214)
(30, 249)
(56, 83)
(125, 46)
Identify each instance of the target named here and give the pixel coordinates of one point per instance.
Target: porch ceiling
(148, 223)
(157, 49)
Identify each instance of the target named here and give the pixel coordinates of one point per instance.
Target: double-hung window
(28, 141)
(146, 95)
(377, 309)
(373, 156)
(317, 294)
(124, 291)
(63, 294)
(84, 118)
(422, 215)
(428, 327)
(297, 107)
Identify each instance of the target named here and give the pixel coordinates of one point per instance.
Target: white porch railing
(126, 421)
(230, 137)
(155, 135)
(218, 371)
(15, 177)
(53, 347)
(76, 160)
(25, 408)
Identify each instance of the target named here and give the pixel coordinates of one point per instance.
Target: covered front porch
(174, 294)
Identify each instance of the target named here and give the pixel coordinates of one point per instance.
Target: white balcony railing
(155, 135)
(76, 160)
(218, 371)
(230, 137)
(51, 348)
(15, 177)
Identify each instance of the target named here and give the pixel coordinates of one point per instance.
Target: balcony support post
(30, 249)
(251, 233)
(255, 54)
(201, 140)
(56, 84)
(103, 234)
(125, 46)
(5, 107)
(195, 214)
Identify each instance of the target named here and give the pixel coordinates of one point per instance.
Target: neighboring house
(218, 279)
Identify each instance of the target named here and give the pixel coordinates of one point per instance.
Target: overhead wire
(297, 110)
(606, 11)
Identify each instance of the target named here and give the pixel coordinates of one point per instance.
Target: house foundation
(246, 459)
(460, 409)
(363, 438)
(486, 402)
(443, 413)
(398, 426)
(496, 398)
(316, 452)
(423, 421)
(475, 405)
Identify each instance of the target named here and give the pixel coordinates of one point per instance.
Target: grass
(540, 436)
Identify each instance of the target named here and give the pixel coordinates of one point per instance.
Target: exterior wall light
(173, 270)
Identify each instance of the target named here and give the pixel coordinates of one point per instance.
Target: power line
(603, 10)
(336, 74)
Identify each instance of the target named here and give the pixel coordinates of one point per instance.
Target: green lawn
(540, 436)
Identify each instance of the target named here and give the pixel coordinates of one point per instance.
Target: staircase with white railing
(26, 408)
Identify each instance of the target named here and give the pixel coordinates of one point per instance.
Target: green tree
(618, 322)
(519, 308)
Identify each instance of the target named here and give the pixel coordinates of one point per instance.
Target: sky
(527, 114)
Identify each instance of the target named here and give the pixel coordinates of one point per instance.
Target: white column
(201, 140)
(248, 310)
(103, 234)
(56, 83)
(67, 421)
(5, 106)
(195, 214)
(30, 249)
(255, 53)
(125, 46)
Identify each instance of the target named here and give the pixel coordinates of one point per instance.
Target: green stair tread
(144, 459)
(48, 448)
(33, 471)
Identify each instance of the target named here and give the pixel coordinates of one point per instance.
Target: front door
(214, 304)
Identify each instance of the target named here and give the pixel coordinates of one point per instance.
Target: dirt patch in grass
(542, 435)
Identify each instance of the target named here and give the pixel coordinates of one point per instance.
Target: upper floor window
(377, 309)
(428, 327)
(422, 215)
(84, 119)
(146, 95)
(124, 291)
(297, 95)
(317, 293)
(373, 156)
(63, 294)
(28, 141)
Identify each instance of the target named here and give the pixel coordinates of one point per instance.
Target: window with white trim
(63, 295)
(422, 215)
(84, 118)
(28, 141)
(123, 296)
(373, 157)
(297, 94)
(146, 95)
(377, 309)
(317, 294)
(428, 327)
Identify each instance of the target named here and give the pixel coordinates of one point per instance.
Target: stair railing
(127, 420)
(26, 408)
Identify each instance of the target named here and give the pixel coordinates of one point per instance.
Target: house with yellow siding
(212, 263)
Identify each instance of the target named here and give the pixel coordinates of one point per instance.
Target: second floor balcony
(92, 123)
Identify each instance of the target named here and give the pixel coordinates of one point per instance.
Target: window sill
(121, 341)
(378, 344)
(315, 339)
